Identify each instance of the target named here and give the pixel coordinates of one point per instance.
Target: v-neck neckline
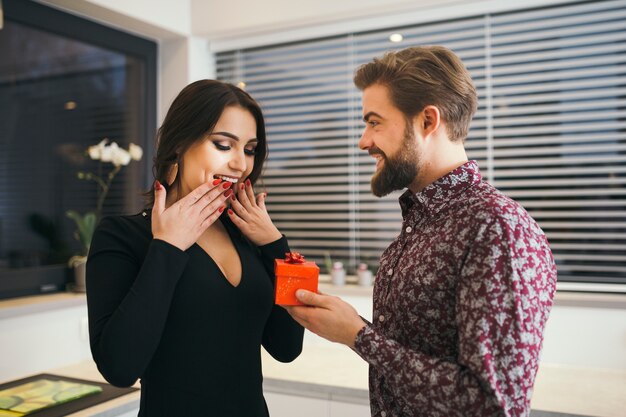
(222, 273)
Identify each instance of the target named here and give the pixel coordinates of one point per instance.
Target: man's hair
(421, 76)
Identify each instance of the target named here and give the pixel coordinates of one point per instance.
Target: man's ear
(431, 119)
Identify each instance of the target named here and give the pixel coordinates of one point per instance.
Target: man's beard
(399, 170)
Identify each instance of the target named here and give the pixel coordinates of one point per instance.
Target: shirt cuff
(275, 249)
(363, 340)
(161, 245)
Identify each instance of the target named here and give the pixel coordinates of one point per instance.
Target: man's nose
(365, 142)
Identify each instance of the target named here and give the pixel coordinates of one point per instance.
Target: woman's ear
(171, 175)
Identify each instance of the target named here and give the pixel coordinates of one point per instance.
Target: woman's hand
(250, 216)
(183, 222)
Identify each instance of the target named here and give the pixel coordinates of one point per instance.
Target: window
(65, 84)
(550, 130)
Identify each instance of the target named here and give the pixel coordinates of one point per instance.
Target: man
(462, 295)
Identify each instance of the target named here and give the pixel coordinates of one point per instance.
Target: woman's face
(226, 153)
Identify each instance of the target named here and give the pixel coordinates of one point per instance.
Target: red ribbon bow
(294, 258)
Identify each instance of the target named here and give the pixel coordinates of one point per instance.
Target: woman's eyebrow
(234, 137)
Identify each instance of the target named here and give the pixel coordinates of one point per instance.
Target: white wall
(217, 18)
(155, 19)
(183, 58)
(243, 23)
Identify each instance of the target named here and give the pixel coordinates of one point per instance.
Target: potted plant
(86, 223)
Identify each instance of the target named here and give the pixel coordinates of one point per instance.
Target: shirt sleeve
(503, 299)
(282, 336)
(128, 299)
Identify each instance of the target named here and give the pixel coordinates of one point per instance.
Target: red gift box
(294, 273)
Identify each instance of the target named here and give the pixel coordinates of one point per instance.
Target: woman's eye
(221, 147)
(250, 151)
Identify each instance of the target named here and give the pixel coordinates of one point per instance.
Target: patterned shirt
(461, 300)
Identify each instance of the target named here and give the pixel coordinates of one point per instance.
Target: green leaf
(328, 262)
(86, 225)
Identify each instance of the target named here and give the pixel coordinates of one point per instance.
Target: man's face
(389, 138)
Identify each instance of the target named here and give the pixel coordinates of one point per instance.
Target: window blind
(550, 130)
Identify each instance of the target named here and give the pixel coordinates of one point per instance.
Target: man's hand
(327, 316)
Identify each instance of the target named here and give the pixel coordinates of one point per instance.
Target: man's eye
(221, 147)
(373, 123)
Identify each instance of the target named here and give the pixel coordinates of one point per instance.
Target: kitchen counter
(336, 373)
(16, 307)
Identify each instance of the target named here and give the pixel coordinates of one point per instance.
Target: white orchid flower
(120, 157)
(135, 151)
(95, 152)
(103, 152)
(107, 152)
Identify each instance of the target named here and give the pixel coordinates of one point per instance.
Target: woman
(181, 296)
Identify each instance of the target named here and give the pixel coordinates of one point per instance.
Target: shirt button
(408, 229)
(383, 414)
(390, 272)
(381, 318)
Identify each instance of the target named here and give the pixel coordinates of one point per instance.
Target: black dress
(172, 319)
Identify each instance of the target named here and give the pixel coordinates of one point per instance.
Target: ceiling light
(396, 37)
(241, 85)
(70, 105)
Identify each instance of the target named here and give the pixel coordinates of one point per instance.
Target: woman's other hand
(183, 222)
(250, 215)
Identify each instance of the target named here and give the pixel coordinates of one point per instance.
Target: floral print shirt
(461, 300)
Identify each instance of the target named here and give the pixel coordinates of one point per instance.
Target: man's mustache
(376, 151)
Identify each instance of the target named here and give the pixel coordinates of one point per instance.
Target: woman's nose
(238, 161)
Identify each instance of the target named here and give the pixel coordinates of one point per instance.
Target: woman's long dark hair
(193, 114)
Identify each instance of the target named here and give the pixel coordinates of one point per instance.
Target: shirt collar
(435, 196)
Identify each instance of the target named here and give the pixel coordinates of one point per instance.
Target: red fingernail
(227, 184)
(221, 209)
(217, 181)
(248, 183)
(233, 197)
(157, 185)
(228, 193)
(230, 212)
(241, 186)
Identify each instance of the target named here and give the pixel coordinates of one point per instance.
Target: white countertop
(325, 371)
(32, 304)
(334, 372)
(559, 389)
(15, 307)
